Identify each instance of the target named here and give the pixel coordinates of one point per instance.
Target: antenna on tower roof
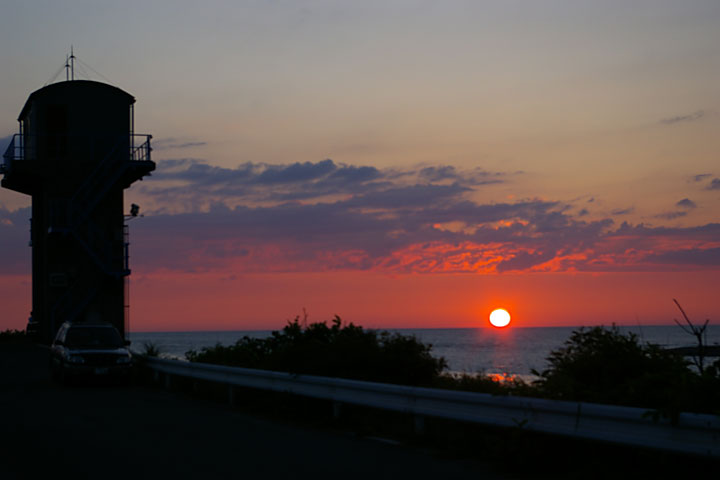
(72, 63)
(69, 67)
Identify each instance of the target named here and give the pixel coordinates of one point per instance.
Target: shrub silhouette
(606, 366)
(13, 336)
(344, 351)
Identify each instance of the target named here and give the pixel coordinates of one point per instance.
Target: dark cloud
(525, 261)
(475, 177)
(435, 174)
(175, 143)
(714, 185)
(686, 203)
(297, 172)
(349, 174)
(623, 211)
(193, 182)
(709, 232)
(671, 215)
(688, 257)
(701, 177)
(173, 164)
(583, 212)
(684, 118)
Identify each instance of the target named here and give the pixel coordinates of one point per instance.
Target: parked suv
(89, 350)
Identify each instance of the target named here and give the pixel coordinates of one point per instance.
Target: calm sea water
(513, 351)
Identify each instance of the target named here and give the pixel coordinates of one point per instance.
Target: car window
(93, 337)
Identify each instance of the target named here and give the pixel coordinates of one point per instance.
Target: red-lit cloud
(316, 217)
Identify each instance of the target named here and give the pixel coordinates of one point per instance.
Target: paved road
(135, 432)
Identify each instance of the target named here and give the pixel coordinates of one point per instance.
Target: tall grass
(151, 349)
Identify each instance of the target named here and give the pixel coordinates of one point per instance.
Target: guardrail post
(337, 410)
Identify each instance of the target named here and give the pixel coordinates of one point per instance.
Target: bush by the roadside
(603, 365)
(343, 351)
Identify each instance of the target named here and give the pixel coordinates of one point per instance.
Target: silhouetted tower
(75, 153)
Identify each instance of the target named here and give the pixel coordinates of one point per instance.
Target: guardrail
(697, 434)
(140, 153)
(16, 149)
(13, 151)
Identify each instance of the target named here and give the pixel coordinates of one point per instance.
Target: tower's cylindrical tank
(70, 125)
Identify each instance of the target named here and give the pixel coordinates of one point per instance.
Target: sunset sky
(398, 163)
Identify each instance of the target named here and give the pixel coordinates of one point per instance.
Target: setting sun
(500, 318)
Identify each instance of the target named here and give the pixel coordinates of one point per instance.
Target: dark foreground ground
(110, 431)
(105, 431)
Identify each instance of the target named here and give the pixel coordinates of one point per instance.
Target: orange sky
(192, 302)
(179, 302)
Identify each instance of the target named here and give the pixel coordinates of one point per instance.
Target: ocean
(512, 351)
